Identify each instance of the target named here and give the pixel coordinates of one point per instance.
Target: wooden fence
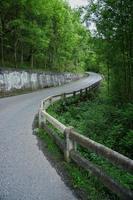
(71, 138)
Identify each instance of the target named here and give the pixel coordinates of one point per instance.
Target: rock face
(23, 80)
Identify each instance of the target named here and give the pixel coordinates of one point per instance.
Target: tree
(41, 33)
(114, 23)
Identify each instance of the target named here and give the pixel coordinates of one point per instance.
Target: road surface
(25, 173)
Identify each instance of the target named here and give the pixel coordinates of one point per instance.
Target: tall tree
(41, 33)
(114, 23)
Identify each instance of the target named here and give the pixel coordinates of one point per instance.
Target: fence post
(81, 92)
(74, 145)
(69, 144)
(40, 114)
(50, 100)
(74, 93)
(63, 96)
(86, 91)
(41, 119)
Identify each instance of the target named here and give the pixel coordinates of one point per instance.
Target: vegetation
(97, 117)
(42, 34)
(114, 36)
(105, 123)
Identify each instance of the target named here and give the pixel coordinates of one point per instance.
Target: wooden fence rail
(112, 156)
(72, 138)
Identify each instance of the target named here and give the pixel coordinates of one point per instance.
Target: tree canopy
(114, 22)
(41, 33)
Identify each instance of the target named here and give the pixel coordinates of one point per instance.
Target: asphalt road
(25, 174)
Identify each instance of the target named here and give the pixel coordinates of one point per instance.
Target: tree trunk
(108, 81)
(15, 53)
(32, 60)
(22, 55)
(2, 49)
(2, 42)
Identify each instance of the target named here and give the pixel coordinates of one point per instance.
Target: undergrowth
(98, 118)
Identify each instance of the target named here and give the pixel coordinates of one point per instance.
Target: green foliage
(103, 122)
(52, 148)
(44, 34)
(114, 24)
(98, 118)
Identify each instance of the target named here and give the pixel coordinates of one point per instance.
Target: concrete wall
(23, 80)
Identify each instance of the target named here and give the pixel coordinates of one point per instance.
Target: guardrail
(71, 138)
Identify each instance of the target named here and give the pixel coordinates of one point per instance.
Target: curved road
(25, 174)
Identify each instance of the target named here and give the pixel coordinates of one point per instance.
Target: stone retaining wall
(23, 80)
